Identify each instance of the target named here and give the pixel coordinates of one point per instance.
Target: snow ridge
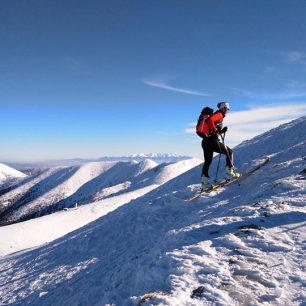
(64, 187)
(156, 157)
(9, 173)
(241, 245)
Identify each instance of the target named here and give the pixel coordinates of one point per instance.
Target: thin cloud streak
(244, 125)
(164, 85)
(278, 96)
(295, 57)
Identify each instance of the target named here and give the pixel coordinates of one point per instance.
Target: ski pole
(216, 178)
(227, 154)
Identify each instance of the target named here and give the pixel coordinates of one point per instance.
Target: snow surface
(63, 187)
(47, 189)
(7, 173)
(147, 175)
(241, 245)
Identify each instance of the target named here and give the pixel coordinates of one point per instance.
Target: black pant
(211, 145)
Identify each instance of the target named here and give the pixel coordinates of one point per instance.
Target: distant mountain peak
(7, 172)
(156, 157)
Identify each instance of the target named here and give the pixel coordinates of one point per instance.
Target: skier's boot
(231, 173)
(206, 183)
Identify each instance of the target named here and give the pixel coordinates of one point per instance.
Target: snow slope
(7, 174)
(47, 189)
(241, 245)
(32, 233)
(63, 187)
(35, 232)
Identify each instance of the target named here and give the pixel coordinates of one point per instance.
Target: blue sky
(92, 78)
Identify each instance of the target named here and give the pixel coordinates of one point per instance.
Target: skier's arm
(217, 117)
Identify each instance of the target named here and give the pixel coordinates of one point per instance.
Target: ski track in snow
(241, 245)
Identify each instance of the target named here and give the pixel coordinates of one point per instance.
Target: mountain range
(56, 188)
(243, 244)
(159, 158)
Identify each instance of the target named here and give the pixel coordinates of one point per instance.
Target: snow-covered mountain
(64, 187)
(8, 175)
(157, 157)
(241, 245)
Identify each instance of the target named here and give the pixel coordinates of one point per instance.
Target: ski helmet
(223, 105)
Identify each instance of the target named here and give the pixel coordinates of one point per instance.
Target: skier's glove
(224, 130)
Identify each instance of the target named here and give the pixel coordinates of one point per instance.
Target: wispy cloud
(288, 93)
(165, 85)
(247, 124)
(270, 69)
(295, 57)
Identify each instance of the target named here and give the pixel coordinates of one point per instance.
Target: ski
(207, 190)
(227, 182)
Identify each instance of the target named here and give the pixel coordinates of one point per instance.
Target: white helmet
(223, 105)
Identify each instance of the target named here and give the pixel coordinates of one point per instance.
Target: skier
(211, 144)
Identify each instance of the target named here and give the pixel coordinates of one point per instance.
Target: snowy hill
(63, 187)
(9, 175)
(8, 172)
(241, 245)
(156, 157)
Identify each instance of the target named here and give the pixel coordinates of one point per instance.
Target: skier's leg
(206, 182)
(220, 147)
(208, 156)
(230, 169)
(229, 156)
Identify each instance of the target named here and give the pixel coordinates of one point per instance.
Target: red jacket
(214, 121)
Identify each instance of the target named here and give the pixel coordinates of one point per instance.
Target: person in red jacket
(211, 144)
